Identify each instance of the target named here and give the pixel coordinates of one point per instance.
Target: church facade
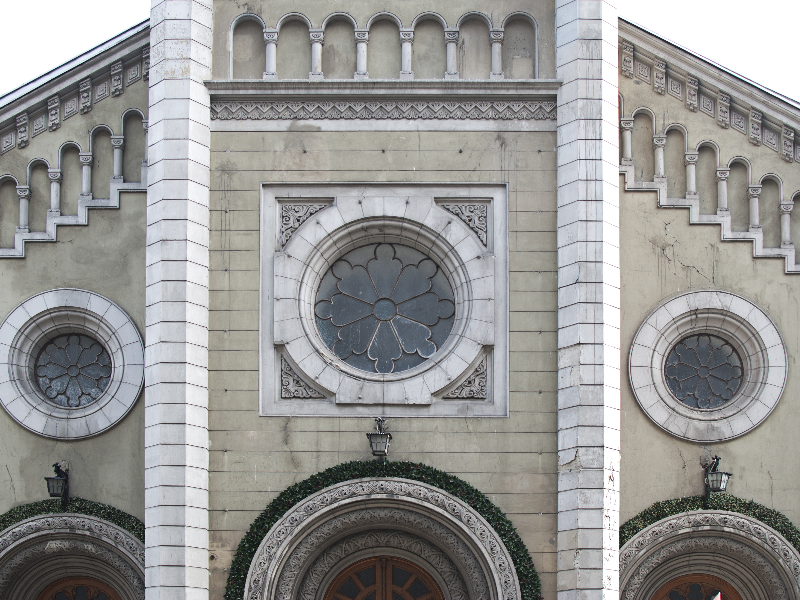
(541, 257)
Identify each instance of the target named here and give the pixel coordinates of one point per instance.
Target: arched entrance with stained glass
(697, 587)
(384, 578)
(78, 588)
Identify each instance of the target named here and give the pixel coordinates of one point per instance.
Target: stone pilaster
(588, 300)
(176, 355)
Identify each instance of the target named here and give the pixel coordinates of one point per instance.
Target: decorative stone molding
(146, 62)
(739, 122)
(7, 141)
(788, 144)
(690, 158)
(451, 35)
(384, 109)
(770, 138)
(85, 92)
(387, 541)
(643, 71)
(409, 215)
(627, 58)
(25, 546)
(474, 386)
(116, 79)
(22, 130)
(102, 91)
(755, 127)
(407, 35)
(317, 36)
(362, 36)
(723, 174)
(294, 215)
(54, 175)
(724, 110)
(659, 141)
(759, 557)
(659, 76)
(746, 328)
(293, 386)
(30, 326)
(53, 113)
(39, 124)
(707, 105)
(316, 519)
(675, 88)
(133, 73)
(692, 85)
(474, 215)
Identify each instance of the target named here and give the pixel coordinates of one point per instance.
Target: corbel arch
(384, 16)
(339, 16)
(429, 16)
(474, 15)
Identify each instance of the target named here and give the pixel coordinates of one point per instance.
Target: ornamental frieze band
(353, 109)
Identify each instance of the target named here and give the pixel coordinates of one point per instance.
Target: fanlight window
(384, 578)
(703, 371)
(384, 308)
(697, 587)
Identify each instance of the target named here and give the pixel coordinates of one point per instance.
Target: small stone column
(118, 144)
(496, 36)
(451, 39)
(722, 191)
(271, 65)
(55, 191)
(659, 143)
(690, 160)
(86, 181)
(753, 192)
(362, 39)
(627, 142)
(24, 193)
(406, 43)
(317, 39)
(786, 224)
(144, 125)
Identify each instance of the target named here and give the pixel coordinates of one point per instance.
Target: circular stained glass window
(703, 371)
(73, 370)
(384, 308)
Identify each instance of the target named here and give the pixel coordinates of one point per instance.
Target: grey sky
(751, 39)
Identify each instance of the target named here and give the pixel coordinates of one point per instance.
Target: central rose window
(384, 308)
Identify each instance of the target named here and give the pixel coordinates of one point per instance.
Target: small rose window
(384, 308)
(73, 370)
(703, 371)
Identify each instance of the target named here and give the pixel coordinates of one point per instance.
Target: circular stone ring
(71, 364)
(750, 380)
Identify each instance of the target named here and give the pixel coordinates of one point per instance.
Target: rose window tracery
(73, 370)
(384, 308)
(703, 371)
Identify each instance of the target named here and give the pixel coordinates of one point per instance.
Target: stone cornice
(65, 79)
(712, 76)
(348, 88)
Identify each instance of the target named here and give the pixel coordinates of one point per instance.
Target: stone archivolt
(484, 561)
(765, 556)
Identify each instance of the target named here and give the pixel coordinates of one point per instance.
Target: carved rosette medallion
(294, 215)
(293, 386)
(474, 215)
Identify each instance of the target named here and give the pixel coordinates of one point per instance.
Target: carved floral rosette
(757, 547)
(275, 549)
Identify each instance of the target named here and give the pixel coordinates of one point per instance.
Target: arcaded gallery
(417, 300)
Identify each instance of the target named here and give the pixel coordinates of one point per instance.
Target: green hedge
(528, 577)
(668, 508)
(74, 505)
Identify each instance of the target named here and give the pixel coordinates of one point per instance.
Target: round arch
(755, 559)
(41, 550)
(355, 510)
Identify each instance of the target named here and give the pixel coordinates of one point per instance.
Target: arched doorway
(384, 578)
(697, 587)
(78, 588)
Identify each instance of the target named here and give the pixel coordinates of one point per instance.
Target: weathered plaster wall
(511, 460)
(106, 257)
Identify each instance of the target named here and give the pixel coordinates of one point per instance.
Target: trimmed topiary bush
(74, 505)
(668, 508)
(528, 577)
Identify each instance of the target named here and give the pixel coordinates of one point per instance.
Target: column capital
(54, 174)
(659, 141)
(118, 141)
(753, 191)
(85, 158)
(317, 36)
(786, 207)
(723, 174)
(690, 158)
(626, 124)
(362, 36)
(270, 36)
(24, 192)
(451, 35)
(496, 35)
(407, 35)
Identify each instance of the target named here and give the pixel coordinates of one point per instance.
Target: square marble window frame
(374, 204)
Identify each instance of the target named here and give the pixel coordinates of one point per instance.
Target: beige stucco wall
(511, 460)
(106, 257)
(663, 255)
